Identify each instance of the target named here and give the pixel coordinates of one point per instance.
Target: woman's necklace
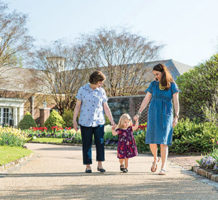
(161, 87)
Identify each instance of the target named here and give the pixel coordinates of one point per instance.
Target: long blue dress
(160, 114)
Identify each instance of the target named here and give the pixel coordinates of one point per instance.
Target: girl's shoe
(125, 170)
(154, 165)
(122, 168)
(162, 172)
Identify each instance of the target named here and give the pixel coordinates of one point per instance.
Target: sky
(187, 28)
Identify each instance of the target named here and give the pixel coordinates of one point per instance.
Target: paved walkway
(56, 172)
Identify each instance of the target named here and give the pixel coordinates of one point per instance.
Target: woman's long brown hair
(166, 77)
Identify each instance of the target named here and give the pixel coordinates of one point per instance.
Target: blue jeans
(87, 133)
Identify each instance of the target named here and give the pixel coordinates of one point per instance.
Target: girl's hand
(114, 127)
(175, 121)
(135, 127)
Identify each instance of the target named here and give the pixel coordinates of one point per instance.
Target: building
(131, 104)
(23, 90)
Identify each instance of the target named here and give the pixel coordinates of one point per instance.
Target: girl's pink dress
(126, 143)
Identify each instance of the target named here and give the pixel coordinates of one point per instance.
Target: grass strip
(48, 140)
(9, 154)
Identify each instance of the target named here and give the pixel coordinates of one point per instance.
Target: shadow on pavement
(69, 174)
(164, 190)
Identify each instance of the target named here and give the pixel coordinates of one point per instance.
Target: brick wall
(128, 104)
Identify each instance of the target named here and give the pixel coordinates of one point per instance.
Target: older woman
(92, 102)
(162, 95)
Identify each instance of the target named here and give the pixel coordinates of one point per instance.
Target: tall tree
(64, 70)
(199, 86)
(15, 43)
(121, 56)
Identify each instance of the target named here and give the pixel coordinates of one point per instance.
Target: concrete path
(56, 172)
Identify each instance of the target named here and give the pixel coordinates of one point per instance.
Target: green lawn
(48, 140)
(9, 154)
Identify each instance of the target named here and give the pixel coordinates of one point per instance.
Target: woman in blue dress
(162, 95)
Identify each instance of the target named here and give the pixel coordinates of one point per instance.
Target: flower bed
(12, 136)
(189, 136)
(210, 162)
(72, 136)
(56, 132)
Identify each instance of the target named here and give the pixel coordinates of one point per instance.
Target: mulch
(185, 161)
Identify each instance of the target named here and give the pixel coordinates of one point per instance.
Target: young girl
(126, 143)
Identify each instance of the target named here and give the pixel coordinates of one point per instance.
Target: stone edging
(14, 163)
(203, 172)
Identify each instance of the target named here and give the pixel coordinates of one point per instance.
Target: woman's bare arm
(108, 113)
(75, 114)
(144, 104)
(176, 108)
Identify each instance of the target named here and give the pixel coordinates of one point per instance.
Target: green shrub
(199, 90)
(54, 119)
(27, 122)
(68, 118)
(140, 142)
(190, 136)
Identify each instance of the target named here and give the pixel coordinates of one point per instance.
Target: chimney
(57, 63)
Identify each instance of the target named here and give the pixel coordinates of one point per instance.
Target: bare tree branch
(15, 43)
(121, 56)
(63, 82)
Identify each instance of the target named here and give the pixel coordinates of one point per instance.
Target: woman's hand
(112, 123)
(136, 117)
(113, 127)
(175, 121)
(135, 127)
(75, 125)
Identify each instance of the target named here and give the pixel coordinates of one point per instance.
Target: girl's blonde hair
(122, 118)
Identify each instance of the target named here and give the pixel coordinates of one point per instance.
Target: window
(6, 116)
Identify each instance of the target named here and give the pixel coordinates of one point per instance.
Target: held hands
(135, 127)
(136, 118)
(114, 129)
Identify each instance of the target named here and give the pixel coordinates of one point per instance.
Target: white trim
(17, 105)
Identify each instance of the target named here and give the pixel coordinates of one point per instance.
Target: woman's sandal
(122, 168)
(162, 172)
(154, 165)
(125, 170)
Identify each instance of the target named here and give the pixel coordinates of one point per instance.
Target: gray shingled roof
(34, 81)
(175, 68)
(23, 79)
